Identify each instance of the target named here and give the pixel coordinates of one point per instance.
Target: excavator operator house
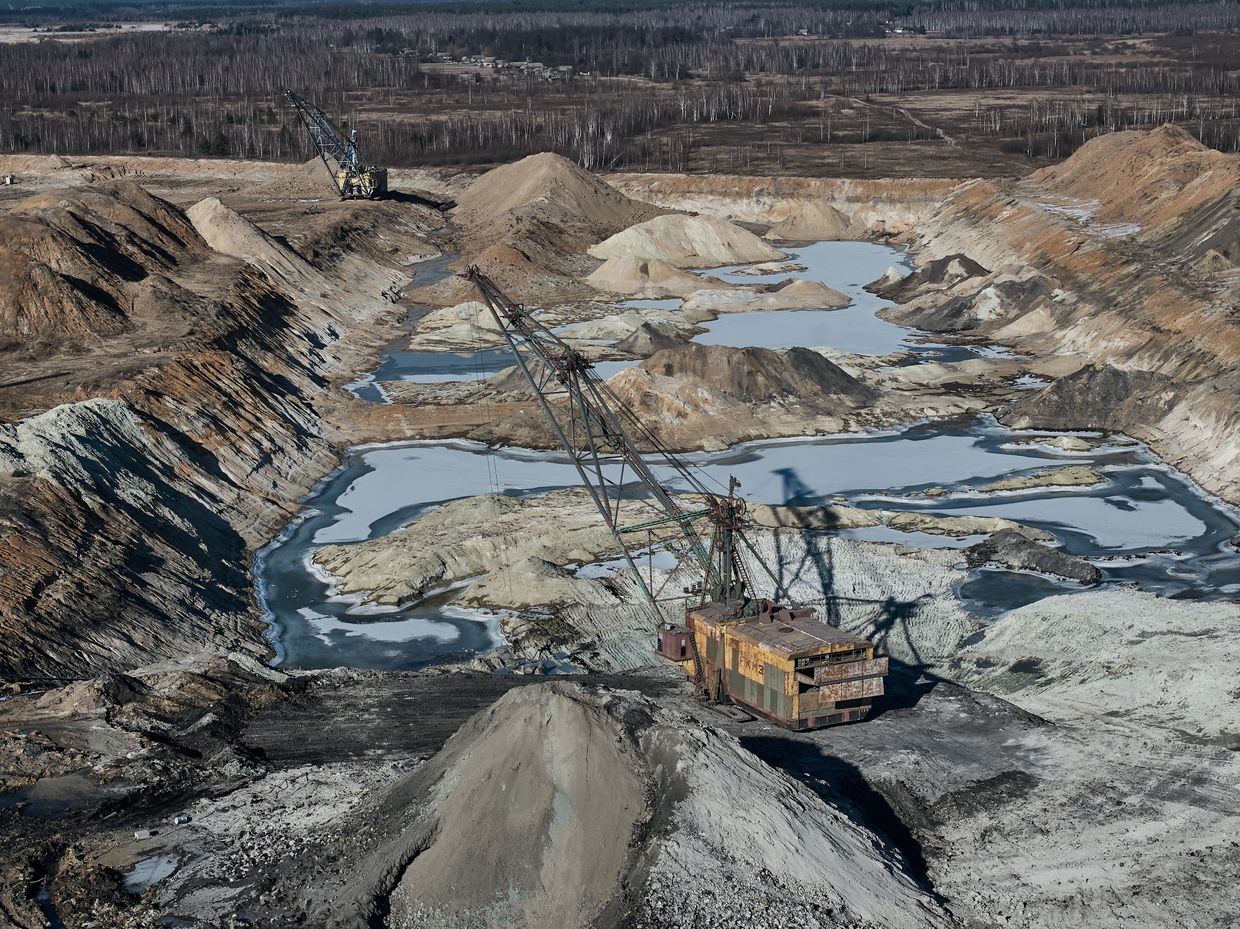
(783, 664)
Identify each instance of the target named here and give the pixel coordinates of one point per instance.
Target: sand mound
(812, 222)
(795, 295)
(528, 224)
(73, 265)
(687, 242)
(563, 807)
(549, 178)
(646, 340)
(231, 234)
(643, 277)
(757, 374)
(1146, 178)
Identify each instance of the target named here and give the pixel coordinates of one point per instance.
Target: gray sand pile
(794, 295)
(564, 807)
(814, 222)
(687, 242)
(644, 277)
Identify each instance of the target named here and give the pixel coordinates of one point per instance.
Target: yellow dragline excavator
(779, 661)
(354, 179)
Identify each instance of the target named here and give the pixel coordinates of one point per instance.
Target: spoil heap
(687, 242)
(644, 277)
(617, 813)
(815, 222)
(528, 225)
(77, 266)
(699, 396)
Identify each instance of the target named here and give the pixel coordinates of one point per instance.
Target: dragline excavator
(354, 179)
(776, 660)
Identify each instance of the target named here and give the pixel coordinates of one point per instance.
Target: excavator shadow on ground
(888, 617)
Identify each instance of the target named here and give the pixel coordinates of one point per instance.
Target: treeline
(643, 80)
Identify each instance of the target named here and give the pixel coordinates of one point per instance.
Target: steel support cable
(492, 460)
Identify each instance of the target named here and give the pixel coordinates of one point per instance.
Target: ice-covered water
(149, 871)
(846, 266)
(1145, 523)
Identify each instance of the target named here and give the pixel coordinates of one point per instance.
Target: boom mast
(601, 437)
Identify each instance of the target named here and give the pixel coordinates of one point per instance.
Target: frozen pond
(846, 266)
(1144, 524)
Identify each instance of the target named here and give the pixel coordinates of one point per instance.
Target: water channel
(1144, 524)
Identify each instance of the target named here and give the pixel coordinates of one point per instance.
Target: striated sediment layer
(132, 494)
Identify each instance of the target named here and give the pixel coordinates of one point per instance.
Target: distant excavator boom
(353, 179)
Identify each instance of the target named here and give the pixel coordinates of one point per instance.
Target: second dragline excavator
(779, 661)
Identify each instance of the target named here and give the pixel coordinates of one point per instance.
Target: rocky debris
(645, 340)
(814, 222)
(1116, 653)
(1099, 397)
(75, 265)
(646, 278)
(937, 274)
(792, 295)
(687, 242)
(1013, 549)
(598, 816)
(160, 726)
(1070, 476)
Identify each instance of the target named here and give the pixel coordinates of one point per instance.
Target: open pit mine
(536, 548)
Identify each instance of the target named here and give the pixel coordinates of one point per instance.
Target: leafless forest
(727, 88)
